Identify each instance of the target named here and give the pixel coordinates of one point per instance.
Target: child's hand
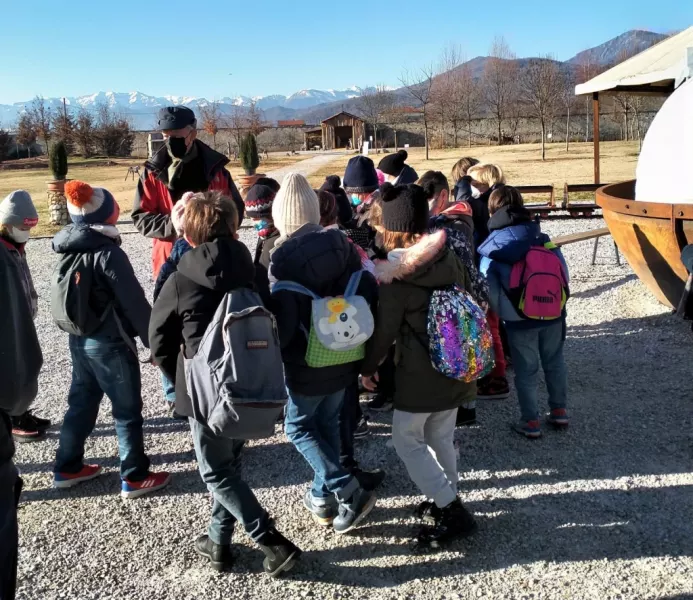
(370, 383)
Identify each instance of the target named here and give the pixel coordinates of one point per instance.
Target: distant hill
(608, 53)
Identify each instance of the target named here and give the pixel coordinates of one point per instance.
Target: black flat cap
(175, 117)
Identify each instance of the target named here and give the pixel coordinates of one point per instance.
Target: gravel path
(305, 167)
(602, 511)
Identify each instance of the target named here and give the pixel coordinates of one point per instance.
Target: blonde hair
(487, 173)
(4, 231)
(208, 216)
(398, 239)
(461, 167)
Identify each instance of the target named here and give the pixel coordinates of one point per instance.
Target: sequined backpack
(459, 338)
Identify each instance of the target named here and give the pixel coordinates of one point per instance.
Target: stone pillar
(57, 207)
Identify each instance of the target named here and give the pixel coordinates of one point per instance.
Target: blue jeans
(530, 349)
(312, 425)
(349, 419)
(219, 461)
(169, 389)
(103, 366)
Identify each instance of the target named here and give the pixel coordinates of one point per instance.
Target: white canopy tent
(657, 70)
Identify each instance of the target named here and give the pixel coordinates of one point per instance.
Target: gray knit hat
(18, 210)
(295, 205)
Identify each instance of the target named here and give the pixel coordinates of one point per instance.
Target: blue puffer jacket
(513, 233)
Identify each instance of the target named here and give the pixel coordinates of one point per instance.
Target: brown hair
(328, 207)
(398, 239)
(489, 174)
(208, 216)
(433, 182)
(502, 196)
(459, 170)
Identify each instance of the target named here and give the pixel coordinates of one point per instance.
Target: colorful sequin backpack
(459, 337)
(340, 325)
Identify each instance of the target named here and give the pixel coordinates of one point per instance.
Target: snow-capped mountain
(141, 108)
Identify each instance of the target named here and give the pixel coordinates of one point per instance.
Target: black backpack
(71, 284)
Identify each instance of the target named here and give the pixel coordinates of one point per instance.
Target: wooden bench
(538, 189)
(573, 188)
(583, 236)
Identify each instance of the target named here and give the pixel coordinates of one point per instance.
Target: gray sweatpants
(425, 443)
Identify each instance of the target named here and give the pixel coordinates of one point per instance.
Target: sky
(218, 48)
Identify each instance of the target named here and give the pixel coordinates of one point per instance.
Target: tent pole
(595, 134)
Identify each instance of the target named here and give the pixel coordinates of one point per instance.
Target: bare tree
(465, 101)
(85, 132)
(568, 99)
(254, 119)
(395, 116)
(63, 128)
(374, 104)
(541, 87)
(41, 117)
(586, 70)
(500, 78)
(442, 104)
(113, 136)
(26, 132)
(210, 120)
(420, 87)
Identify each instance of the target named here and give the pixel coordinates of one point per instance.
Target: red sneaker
(151, 483)
(558, 417)
(68, 480)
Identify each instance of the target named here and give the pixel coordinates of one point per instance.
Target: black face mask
(176, 147)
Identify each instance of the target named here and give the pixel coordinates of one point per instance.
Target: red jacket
(153, 202)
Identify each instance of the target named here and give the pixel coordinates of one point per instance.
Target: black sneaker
(452, 522)
(219, 557)
(38, 422)
(280, 554)
(465, 417)
(26, 428)
(381, 403)
(362, 430)
(492, 388)
(353, 512)
(323, 513)
(369, 480)
(428, 512)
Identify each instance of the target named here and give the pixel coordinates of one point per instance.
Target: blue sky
(217, 48)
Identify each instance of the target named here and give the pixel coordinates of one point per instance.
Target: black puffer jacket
(262, 262)
(187, 304)
(322, 261)
(114, 281)
(463, 193)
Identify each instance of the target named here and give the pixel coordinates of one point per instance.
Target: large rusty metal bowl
(651, 236)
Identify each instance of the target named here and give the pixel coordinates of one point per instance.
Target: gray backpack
(235, 381)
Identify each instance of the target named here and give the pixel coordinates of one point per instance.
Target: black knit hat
(344, 211)
(360, 176)
(393, 163)
(175, 117)
(269, 182)
(258, 202)
(405, 208)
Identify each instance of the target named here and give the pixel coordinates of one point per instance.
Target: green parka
(407, 279)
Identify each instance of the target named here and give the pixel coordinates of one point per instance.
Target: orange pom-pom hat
(90, 205)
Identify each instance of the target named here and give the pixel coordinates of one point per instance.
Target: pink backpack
(538, 285)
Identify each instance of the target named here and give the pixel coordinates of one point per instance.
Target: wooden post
(595, 135)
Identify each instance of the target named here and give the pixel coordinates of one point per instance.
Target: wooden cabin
(343, 130)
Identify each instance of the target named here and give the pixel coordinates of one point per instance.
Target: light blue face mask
(261, 224)
(355, 200)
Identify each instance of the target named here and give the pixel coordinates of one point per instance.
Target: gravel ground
(602, 511)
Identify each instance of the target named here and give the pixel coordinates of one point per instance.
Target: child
(476, 188)
(104, 362)
(457, 222)
(216, 264)
(361, 185)
(20, 363)
(426, 401)
(323, 262)
(17, 217)
(395, 169)
(258, 207)
(345, 214)
(459, 170)
(532, 342)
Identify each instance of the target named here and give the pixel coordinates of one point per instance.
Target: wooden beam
(573, 238)
(595, 134)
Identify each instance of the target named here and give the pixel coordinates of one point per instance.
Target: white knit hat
(295, 205)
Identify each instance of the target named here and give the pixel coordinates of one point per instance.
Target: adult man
(183, 164)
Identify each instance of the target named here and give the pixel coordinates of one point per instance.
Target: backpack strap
(353, 284)
(292, 286)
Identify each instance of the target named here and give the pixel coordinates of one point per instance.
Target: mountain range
(310, 105)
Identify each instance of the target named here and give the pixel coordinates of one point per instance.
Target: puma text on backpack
(459, 338)
(538, 285)
(235, 381)
(71, 284)
(340, 326)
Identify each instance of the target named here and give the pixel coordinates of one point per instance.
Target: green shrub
(248, 154)
(58, 161)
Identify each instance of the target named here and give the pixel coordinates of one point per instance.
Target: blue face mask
(261, 224)
(355, 200)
